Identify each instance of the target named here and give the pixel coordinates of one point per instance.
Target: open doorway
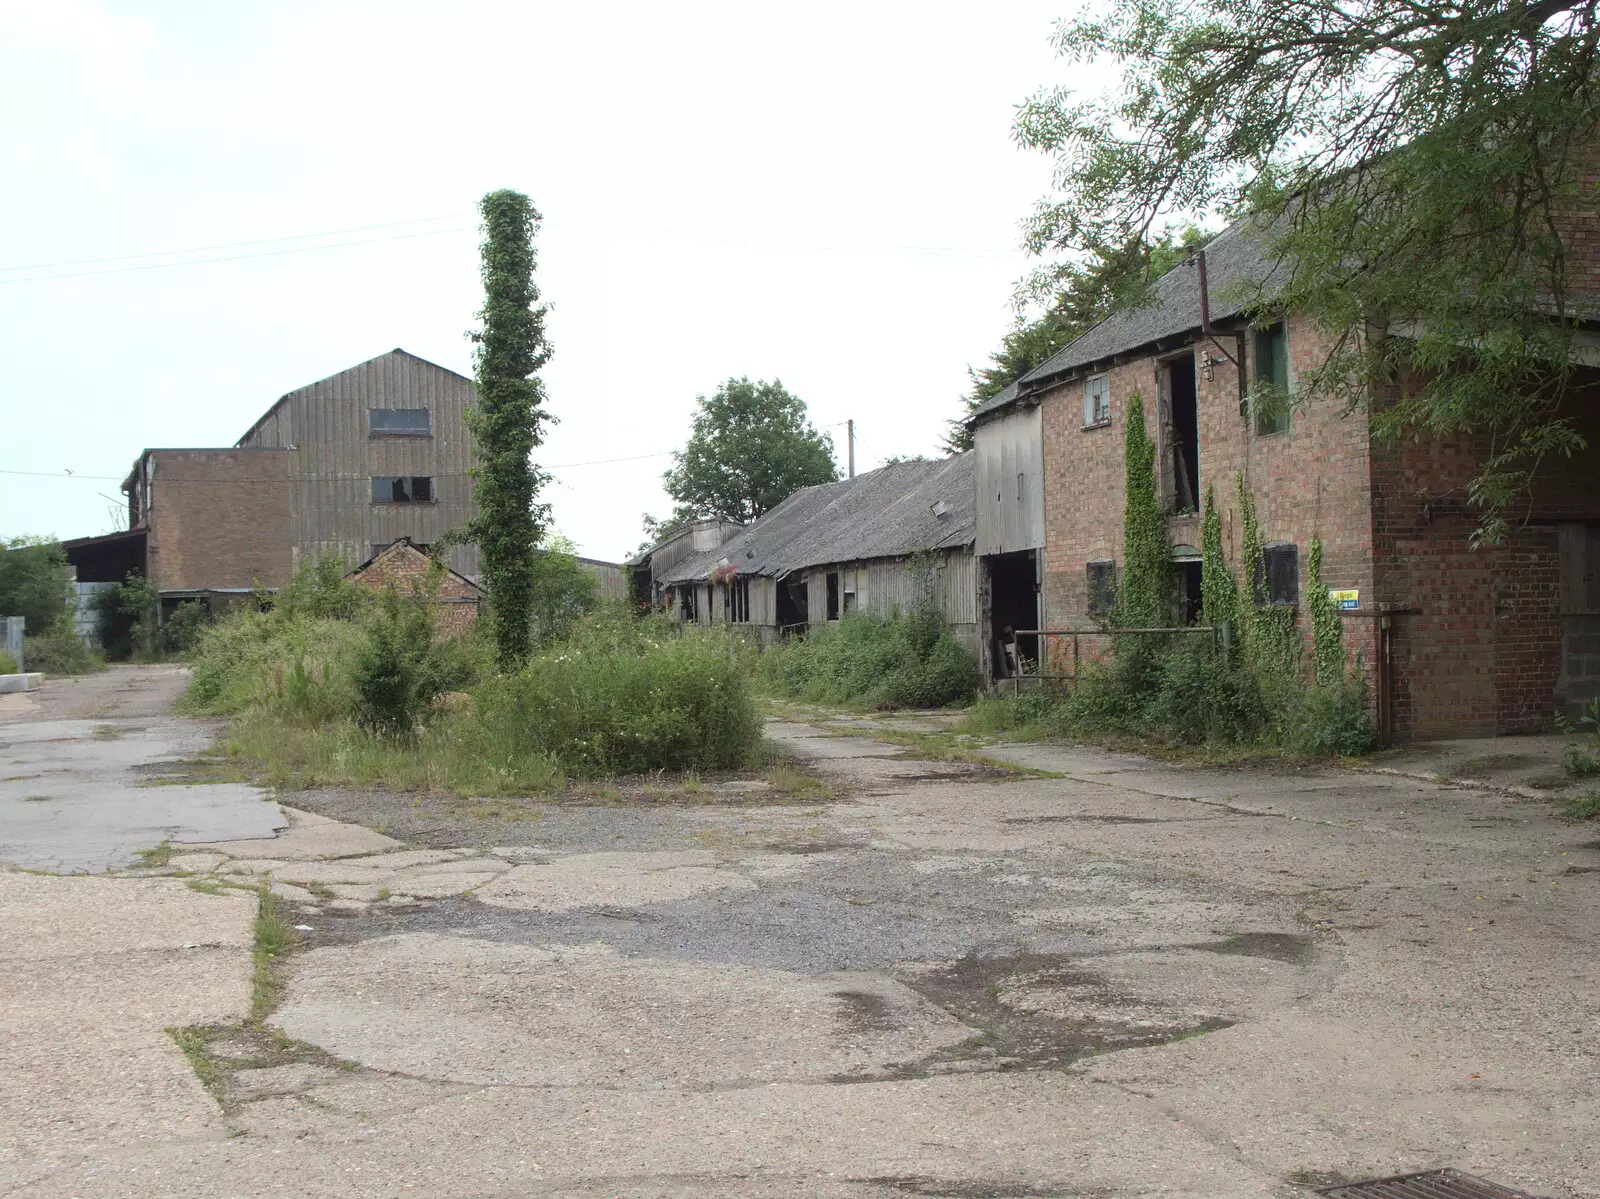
(1013, 606)
(792, 604)
(1181, 434)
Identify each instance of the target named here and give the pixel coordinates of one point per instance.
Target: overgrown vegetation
(508, 422)
(334, 685)
(35, 584)
(1241, 684)
(1581, 758)
(905, 660)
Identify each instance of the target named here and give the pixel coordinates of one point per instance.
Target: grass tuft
(275, 935)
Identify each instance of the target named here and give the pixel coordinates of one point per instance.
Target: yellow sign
(1345, 599)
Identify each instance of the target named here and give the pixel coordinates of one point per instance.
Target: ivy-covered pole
(1219, 593)
(1145, 597)
(508, 421)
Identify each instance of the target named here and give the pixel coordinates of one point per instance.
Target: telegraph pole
(850, 438)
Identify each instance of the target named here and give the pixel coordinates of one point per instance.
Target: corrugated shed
(1240, 266)
(886, 513)
(334, 458)
(1010, 481)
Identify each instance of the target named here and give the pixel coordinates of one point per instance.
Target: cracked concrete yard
(1131, 979)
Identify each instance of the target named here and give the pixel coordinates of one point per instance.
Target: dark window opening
(1271, 392)
(402, 489)
(1183, 415)
(833, 595)
(1278, 581)
(1102, 576)
(1013, 612)
(691, 610)
(1191, 602)
(793, 604)
(399, 422)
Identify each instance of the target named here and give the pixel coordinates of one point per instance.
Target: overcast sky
(824, 194)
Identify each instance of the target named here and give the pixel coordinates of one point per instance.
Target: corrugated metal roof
(1237, 259)
(885, 513)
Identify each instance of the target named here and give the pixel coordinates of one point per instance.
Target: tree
(1076, 296)
(508, 422)
(750, 448)
(34, 582)
(1416, 166)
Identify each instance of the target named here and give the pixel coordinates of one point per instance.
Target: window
(413, 489)
(1279, 579)
(833, 595)
(1102, 576)
(1096, 401)
(849, 591)
(738, 601)
(399, 422)
(691, 611)
(1270, 395)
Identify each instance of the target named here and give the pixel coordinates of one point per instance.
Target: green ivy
(1327, 626)
(1269, 632)
(1219, 593)
(508, 422)
(1145, 595)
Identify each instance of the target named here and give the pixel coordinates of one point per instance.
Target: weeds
(1584, 807)
(157, 856)
(906, 660)
(275, 935)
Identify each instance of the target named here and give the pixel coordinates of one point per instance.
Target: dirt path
(1127, 980)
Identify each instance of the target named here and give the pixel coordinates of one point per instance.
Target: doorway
(1013, 605)
(1181, 434)
(793, 602)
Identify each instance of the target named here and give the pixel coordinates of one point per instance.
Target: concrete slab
(27, 681)
(92, 973)
(610, 880)
(310, 837)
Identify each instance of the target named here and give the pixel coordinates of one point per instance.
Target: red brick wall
(455, 603)
(218, 519)
(1310, 480)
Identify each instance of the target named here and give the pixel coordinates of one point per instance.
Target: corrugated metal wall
(334, 460)
(1010, 460)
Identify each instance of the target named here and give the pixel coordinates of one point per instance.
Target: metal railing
(1018, 679)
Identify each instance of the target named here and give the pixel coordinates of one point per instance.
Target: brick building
(342, 467)
(1455, 640)
(456, 600)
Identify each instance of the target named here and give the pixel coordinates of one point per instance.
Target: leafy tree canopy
(1421, 162)
(1076, 295)
(751, 447)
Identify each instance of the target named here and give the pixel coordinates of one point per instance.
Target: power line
(232, 245)
(156, 266)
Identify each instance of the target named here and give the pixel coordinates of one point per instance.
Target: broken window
(833, 595)
(1278, 581)
(1270, 396)
(399, 422)
(1102, 575)
(1097, 400)
(849, 602)
(402, 489)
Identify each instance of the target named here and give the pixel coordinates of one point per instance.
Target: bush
(180, 631)
(399, 669)
(62, 651)
(906, 660)
(615, 702)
